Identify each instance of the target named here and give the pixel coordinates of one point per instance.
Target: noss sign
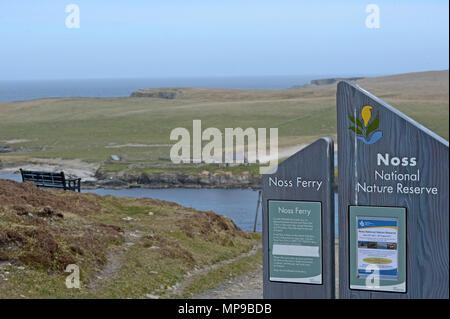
(393, 202)
(298, 225)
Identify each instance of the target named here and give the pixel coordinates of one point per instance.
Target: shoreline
(119, 184)
(164, 181)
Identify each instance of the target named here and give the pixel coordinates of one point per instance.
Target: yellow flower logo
(365, 130)
(366, 114)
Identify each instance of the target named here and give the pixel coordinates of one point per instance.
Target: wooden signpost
(393, 202)
(298, 225)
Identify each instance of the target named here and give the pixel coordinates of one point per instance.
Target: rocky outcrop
(5, 150)
(327, 81)
(333, 80)
(159, 93)
(172, 180)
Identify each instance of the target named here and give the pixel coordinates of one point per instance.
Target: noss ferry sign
(393, 202)
(298, 225)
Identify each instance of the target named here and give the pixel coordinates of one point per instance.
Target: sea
(22, 90)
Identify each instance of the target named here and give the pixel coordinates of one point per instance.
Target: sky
(174, 38)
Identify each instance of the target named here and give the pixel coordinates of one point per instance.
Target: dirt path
(179, 287)
(116, 257)
(247, 286)
(250, 286)
(115, 261)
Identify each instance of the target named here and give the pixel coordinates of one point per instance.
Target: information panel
(377, 245)
(377, 248)
(295, 244)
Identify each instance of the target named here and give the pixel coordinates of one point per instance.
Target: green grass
(173, 240)
(87, 128)
(84, 128)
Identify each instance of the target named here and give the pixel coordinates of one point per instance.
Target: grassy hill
(124, 247)
(138, 128)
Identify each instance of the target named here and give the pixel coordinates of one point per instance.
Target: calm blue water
(237, 204)
(14, 177)
(28, 90)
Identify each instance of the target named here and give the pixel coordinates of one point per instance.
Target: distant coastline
(326, 81)
(124, 142)
(24, 90)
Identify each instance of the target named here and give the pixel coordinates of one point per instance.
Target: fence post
(257, 210)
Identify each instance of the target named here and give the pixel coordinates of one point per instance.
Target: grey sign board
(298, 225)
(393, 176)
